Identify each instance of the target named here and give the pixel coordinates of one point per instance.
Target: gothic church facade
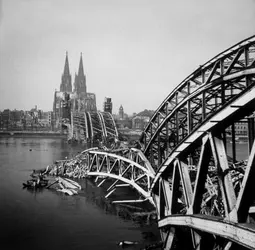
(69, 98)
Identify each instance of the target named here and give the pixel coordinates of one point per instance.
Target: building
(30, 120)
(121, 112)
(122, 120)
(69, 99)
(66, 80)
(107, 105)
(45, 120)
(240, 129)
(6, 119)
(140, 120)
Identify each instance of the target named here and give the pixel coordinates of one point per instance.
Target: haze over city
(133, 51)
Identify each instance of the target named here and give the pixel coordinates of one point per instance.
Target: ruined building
(72, 99)
(107, 105)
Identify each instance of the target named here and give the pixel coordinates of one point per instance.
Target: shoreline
(32, 134)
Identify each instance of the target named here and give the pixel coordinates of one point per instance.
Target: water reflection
(96, 196)
(47, 219)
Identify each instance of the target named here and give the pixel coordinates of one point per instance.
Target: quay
(48, 134)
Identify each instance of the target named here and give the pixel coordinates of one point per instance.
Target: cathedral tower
(121, 112)
(66, 83)
(80, 80)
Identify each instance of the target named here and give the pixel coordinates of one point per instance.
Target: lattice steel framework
(80, 125)
(94, 126)
(200, 96)
(127, 166)
(109, 124)
(199, 190)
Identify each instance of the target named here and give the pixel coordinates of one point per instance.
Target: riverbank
(46, 134)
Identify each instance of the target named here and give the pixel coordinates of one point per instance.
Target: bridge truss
(93, 126)
(127, 167)
(202, 189)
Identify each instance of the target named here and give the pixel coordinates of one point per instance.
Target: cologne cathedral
(72, 98)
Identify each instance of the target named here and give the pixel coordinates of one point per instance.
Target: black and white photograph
(127, 124)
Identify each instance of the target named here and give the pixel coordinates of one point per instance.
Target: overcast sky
(134, 51)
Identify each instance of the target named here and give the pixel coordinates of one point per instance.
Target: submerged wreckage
(60, 184)
(77, 168)
(62, 170)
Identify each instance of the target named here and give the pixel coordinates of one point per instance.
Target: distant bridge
(203, 192)
(92, 126)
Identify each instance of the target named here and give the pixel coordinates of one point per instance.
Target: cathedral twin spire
(79, 81)
(66, 81)
(81, 71)
(66, 69)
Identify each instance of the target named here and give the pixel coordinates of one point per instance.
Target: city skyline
(134, 52)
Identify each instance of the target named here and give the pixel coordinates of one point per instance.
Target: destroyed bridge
(188, 166)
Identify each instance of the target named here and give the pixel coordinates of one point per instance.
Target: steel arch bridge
(200, 189)
(92, 126)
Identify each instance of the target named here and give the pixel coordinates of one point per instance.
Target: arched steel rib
(199, 91)
(91, 125)
(237, 232)
(109, 124)
(120, 168)
(86, 125)
(101, 118)
(144, 169)
(114, 125)
(216, 67)
(246, 100)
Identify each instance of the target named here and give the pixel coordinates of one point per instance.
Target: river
(52, 220)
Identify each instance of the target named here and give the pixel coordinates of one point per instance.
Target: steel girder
(199, 190)
(79, 125)
(96, 126)
(238, 233)
(90, 127)
(137, 174)
(102, 124)
(110, 125)
(212, 198)
(135, 155)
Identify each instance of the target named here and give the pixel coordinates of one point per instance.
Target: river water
(52, 220)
